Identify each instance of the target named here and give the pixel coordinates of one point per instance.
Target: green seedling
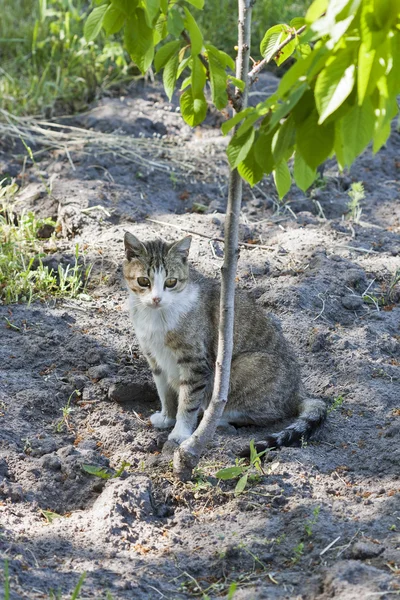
(356, 194)
(103, 473)
(11, 325)
(298, 552)
(336, 404)
(243, 471)
(66, 411)
(6, 581)
(309, 525)
(23, 276)
(50, 516)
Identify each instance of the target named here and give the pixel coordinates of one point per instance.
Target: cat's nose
(156, 300)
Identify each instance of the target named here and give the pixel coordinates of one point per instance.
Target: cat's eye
(143, 281)
(171, 282)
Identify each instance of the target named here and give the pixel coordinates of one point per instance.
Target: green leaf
(97, 471)
(152, 11)
(282, 110)
(239, 147)
(271, 41)
(196, 37)
(194, 110)
(304, 176)
(297, 22)
(218, 78)
(228, 125)
(247, 123)
(227, 60)
(316, 9)
(284, 140)
(365, 62)
(241, 484)
(139, 40)
(237, 82)
(113, 20)
(182, 66)
(249, 169)
(94, 22)
(232, 590)
(170, 76)
(197, 3)
(50, 516)
(314, 141)
(263, 151)
(164, 54)
(358, 129)
(287, 51)
(334, 84)
(186, 82)
(282, 179)
(229, 473)
(198, 78)
(175, 22)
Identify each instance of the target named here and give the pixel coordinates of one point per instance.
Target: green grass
(23, 276)
(46, 66)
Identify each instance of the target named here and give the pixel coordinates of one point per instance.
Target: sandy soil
(324, 520)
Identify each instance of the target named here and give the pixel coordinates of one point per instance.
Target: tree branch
(252, 75)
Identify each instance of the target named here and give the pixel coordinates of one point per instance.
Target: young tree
(337, 97)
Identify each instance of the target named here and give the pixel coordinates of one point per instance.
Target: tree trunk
(188, 454)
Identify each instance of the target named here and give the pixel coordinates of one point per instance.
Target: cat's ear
(133, 246)
(181, 247)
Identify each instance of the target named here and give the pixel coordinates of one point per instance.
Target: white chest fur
(151, 326)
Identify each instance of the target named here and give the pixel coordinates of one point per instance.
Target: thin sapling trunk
(188, 454)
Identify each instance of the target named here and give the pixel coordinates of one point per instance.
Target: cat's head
(156, 271)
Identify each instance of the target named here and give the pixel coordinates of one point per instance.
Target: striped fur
(177, 329)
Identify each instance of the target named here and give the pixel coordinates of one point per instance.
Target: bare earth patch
(325, 522)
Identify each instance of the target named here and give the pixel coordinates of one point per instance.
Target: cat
(175, 315)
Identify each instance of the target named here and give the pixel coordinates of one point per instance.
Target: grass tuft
(23, 276)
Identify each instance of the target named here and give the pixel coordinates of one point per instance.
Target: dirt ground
(324, 520)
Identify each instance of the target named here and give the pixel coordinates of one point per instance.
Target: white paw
(180, 433)
(161, 420)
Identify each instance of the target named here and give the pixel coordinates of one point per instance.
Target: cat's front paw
(180, 433)
(162, 421)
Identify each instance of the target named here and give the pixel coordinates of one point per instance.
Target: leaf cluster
(242, 470)
(337, 97)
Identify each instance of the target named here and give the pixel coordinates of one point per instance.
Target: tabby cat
(175, 314)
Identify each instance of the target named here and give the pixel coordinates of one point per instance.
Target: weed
(356, 194)
(103, 473)
(244, 471)
(50, 516)
(336, 404)
(309, 525)
(6, 581)
(47, 65)
(66, 411)
(23, 276)
(298, 552)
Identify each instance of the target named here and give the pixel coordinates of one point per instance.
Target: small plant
(298, 552)
(309, 525)
(356, 194)
(103, 473)
(336, 404)
(6, 581)
(244, 471)
(23, 276)
(66, 411)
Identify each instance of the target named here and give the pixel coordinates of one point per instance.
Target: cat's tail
(312, 416)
